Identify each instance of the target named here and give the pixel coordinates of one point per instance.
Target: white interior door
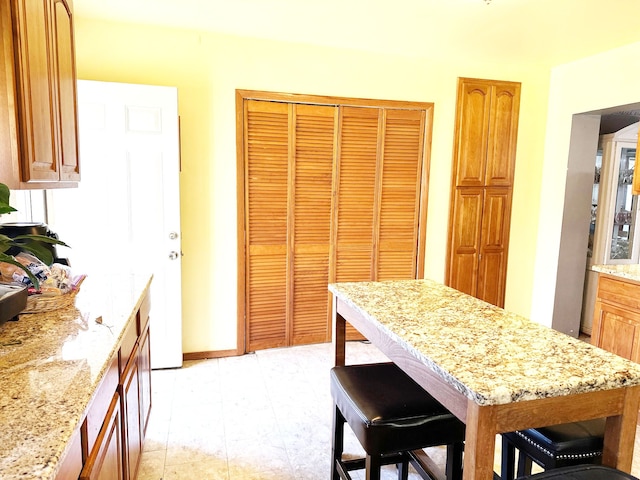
(125, 215)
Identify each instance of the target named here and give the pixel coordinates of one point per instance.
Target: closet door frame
(242, 96)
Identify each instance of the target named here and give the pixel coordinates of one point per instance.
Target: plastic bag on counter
(13, 273)
(59, 282)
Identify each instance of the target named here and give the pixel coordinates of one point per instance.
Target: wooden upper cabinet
(486, 128)
(40, 85)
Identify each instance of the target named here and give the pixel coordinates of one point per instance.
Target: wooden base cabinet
(616, 319)
(113, 431)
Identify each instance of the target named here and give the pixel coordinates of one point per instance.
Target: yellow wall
(602, 81)
(207, 68)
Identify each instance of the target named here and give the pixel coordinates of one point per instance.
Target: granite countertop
(488, 354)
(629, 272)
(50, 366)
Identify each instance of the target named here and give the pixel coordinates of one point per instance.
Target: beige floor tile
(261, 416)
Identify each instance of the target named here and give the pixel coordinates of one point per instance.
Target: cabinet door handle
(173, 255)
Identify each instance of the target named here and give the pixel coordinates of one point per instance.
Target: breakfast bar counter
(51, 365)
(494, 370)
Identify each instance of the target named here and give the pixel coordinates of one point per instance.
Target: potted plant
(33, 244)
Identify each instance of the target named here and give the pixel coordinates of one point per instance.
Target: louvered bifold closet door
(313, 144)
(266, 171)
(290, 155)
(356, 193)
(399, 211)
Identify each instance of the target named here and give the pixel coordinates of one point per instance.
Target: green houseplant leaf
(33, 244)
(4, 200)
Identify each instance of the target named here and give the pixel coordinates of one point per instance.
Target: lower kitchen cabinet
(616, 321)
(112, 434)
(106, 459)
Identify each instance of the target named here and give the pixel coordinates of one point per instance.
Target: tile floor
(256, 417)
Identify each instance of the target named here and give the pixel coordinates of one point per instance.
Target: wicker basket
(49, 303)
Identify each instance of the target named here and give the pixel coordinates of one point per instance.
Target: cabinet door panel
(36, 91)
(144, 368)
(465, 241)
(66, 89)
(503, 129)
(474, 107)
(617, 330)
(494, 245)
(131, 413)
(105, 462)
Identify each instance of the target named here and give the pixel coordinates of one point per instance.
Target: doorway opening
(571, 299)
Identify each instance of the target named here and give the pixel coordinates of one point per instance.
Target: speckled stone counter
(627, 272)
(50, 366)
(486, 353)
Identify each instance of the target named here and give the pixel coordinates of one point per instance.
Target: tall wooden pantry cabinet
(482, 186)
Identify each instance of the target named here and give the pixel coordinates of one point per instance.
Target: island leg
(339, 335)
(480, 442)
(620, 433)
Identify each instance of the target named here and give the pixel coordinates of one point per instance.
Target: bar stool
(391, 416)
(552, 447)
(582, 472)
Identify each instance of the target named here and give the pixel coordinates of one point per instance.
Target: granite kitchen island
(494, 370)
(60, 373)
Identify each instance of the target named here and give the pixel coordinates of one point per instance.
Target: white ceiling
(543, 32)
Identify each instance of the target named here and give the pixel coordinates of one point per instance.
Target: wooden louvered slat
(266, 170)
(400, 205)
(308, 280)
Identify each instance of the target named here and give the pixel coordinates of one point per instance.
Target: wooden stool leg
(403, 469)
(337, 443)
(453, 469)
(524, 464)
(508, 463)
(373, 464)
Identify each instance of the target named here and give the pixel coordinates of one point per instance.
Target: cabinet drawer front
(100, 404)
(619, 292)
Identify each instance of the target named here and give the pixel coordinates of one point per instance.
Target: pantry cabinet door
(503, 130)
(470, 153)
(492, 268)
(465, 240)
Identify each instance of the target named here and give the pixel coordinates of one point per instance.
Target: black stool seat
(582, 472)
(553, 447)
(389, 413)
